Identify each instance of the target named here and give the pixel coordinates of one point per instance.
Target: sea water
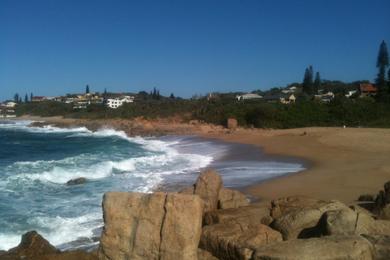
(37, 162)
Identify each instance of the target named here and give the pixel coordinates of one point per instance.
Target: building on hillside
(290, 90)
(326, 97)
(38, 99)
(351, 93)
(367, 90)
(7, 111)
(282, 98)
(9, 104)
(248, 96)
(119, 101)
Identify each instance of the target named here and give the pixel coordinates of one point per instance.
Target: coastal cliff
(207, 221)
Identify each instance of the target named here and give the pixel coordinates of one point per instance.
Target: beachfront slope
(345, 162)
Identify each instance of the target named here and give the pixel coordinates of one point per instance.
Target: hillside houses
(248, 96)
(119, 101)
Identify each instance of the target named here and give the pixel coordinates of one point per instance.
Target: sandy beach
(343, 162)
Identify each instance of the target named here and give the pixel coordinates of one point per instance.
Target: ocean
(37, 162)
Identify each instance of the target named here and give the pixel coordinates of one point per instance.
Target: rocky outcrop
(228, 199)
(257, 213)
(325, 248)
(236, 240)
(298, 217)
(34, 247)
(207, 186)
(150, 226)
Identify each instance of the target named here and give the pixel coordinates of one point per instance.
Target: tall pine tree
(26, 98)
(87, 89)
(317, 83)
(382, 63)
(308, 81)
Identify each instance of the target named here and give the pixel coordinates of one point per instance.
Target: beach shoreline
(344, 162)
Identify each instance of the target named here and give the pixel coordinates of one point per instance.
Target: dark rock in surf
(77, 181)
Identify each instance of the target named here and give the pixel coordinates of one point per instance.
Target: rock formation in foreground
(209, 222)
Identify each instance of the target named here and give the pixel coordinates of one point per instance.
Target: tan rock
(207, 186)
(150, 226)
(325, 248)
(228, 198)
(235, 240)
(349, 221)
(232, 123)
(205, 255)
(297, 217)
(257, 213)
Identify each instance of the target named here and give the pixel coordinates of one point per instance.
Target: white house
(10, 104)
(119, 101)
(248, 96)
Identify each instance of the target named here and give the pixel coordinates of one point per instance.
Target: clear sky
(186, 47)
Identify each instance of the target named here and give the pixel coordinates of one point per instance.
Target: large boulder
(349, 221)
(257, 213)
(207, 186)
(325, 248)
(228, 198)
(298, 217)
(381, 245)
(150, 226)
(235, 240)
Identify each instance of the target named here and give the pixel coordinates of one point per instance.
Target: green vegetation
(354, 111)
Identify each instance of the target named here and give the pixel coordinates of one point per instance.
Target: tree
(105, 96)
(87, 89)
(16, 98)
(172, 96)
(31, 96)
(26, 98)
(308, 81)
(382, 63)
(317, 83)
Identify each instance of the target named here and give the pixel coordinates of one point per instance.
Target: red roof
(367, 87)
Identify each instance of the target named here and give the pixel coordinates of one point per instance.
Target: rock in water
(150, 226)
(77, 181)
(207, 186)
(325, 248)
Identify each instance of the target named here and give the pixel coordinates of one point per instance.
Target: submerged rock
(150, 226)
(77, 181)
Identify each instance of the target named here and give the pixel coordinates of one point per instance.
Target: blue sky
(183, 46)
